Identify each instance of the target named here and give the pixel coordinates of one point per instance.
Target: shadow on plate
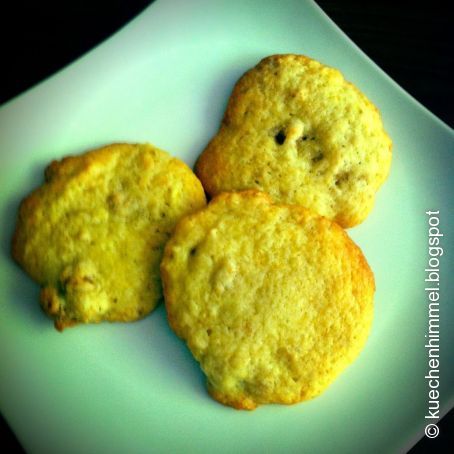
(155, 355)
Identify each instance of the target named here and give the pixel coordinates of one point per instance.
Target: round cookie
(93, 234)
(273, 301)
(299, 131)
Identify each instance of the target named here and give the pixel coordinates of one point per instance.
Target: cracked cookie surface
(299, 131)
(93, 234)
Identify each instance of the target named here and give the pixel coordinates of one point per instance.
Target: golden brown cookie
(273, 301)
(299, 131)
(93, 234)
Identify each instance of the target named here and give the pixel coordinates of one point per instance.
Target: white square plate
(165, 78)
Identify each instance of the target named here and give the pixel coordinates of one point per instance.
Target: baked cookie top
(299, 131)
(93, 234)
(273, 301)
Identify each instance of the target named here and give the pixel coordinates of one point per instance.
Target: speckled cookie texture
(93, 234)
(299, 131)
(273, 300)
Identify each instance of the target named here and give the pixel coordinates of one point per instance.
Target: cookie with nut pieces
(93, 234)
(273, 300)
(299, 131)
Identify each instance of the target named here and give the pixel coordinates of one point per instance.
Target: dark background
(411, 41)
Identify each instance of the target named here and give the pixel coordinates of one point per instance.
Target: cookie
(299, 131)
(93, 234)
(273, 300)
